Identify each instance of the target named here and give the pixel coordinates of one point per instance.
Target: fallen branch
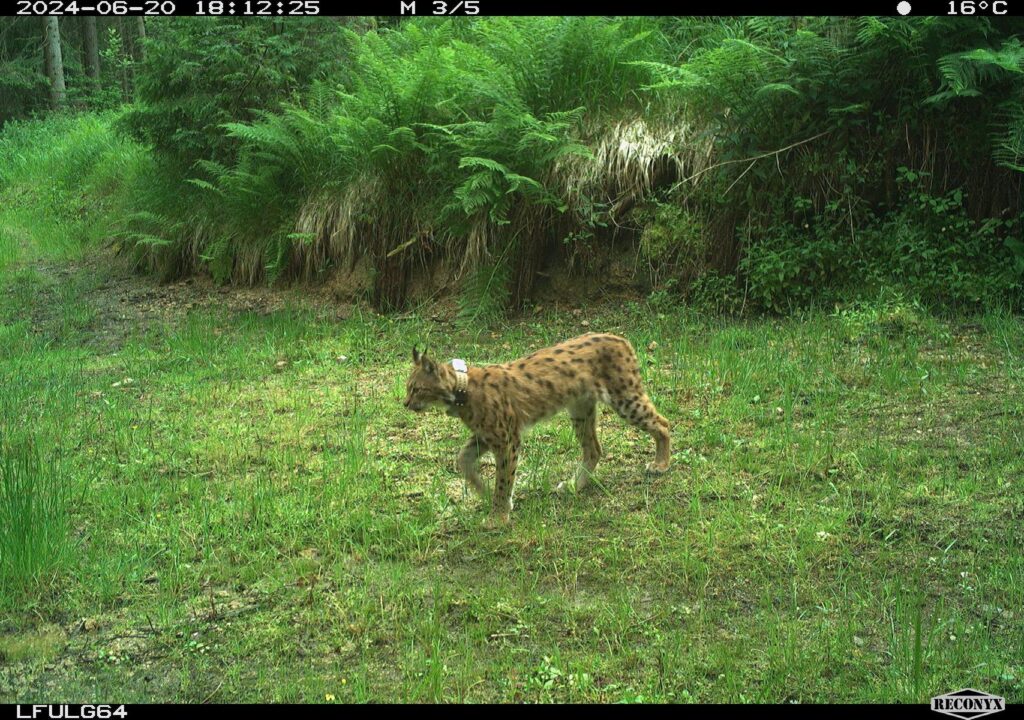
(401, 247)
(753, 159)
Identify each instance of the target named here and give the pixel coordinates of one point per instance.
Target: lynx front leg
(506, 460)
(469, 465)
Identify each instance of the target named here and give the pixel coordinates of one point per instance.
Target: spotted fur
(502, 401)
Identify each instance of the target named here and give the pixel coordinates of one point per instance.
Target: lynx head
(429, 383)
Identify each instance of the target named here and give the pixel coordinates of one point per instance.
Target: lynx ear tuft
(421, 359)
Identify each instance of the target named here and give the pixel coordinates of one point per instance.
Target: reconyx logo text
(968, 704)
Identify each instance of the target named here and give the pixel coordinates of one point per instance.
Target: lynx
(499, 402)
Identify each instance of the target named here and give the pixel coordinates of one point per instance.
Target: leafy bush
(940, 254)
(929, 247)
(717, 294)
(673, 238)
(200, 74)
(812, 159)
(811, 119)
(791, 266)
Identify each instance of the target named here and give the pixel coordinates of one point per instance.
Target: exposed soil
(121, 301)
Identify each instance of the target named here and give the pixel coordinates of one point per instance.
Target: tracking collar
(461, 382)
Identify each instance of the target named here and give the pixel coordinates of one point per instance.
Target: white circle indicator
(903, 8)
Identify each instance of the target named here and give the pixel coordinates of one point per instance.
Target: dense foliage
(752, 163)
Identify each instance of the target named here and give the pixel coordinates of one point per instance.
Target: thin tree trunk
(126, 92)
(54, 62)
(138, 49)
(92, 51)
(46, 56)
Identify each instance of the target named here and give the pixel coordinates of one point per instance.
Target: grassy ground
(250, 518)
(211, 496)
(206, 500)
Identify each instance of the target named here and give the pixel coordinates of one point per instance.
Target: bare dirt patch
(119, 302)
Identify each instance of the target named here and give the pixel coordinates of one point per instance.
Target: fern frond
(485, 293)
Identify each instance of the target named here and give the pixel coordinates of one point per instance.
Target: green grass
(33, 517)
(66, 183)
(249, 518)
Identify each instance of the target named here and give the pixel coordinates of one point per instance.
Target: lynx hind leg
(638, 410)
(469, 465)
(584, 424)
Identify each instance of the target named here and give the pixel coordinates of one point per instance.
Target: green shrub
(929, 247)
(717, 294)
(200, 74)
(673, 237)
(791, 266)
(941, 255)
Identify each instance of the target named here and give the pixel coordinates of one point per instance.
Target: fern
(485, 294)
(1008, 138)
(964, 74)
(435, 128)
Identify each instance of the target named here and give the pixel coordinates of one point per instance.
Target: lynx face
(428, 384)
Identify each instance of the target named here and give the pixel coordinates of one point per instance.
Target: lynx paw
(479, 489)
(495, 522)
(655, 468)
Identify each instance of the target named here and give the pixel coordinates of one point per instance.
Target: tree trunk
(46, 55)
(126, 88)
(92, 51)
(138, 49)
(54, 62)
